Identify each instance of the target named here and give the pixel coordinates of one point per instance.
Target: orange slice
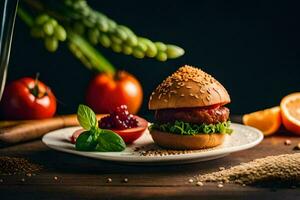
(268, 120)
(290, 112)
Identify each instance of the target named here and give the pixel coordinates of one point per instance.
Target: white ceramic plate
(243, 137)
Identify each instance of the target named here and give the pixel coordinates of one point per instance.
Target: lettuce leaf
(185, 128)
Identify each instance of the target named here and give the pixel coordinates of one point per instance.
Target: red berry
(120, 118)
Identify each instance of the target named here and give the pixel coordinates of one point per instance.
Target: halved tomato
(75, 135)
(131, 134)
(128, 135)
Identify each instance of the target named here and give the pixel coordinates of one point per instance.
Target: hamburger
(190, 111)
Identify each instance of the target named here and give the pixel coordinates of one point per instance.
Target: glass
(8, 15)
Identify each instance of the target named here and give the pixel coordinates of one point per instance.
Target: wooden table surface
(84, 178)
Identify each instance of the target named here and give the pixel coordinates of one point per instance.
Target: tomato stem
(35, 90)
(118, 75)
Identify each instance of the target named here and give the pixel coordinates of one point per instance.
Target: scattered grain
(282, 168)
(221, 168)
(108, 180)
(287, 142)
(153, 150)
(199, 183)
(297, 147)
(55, 178)
(125, 180)
(220, 185)
(191, 180)
(13, 165)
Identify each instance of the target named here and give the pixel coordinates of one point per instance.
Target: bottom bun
(191, 142)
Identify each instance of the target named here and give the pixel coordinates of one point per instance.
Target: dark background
(251, 47)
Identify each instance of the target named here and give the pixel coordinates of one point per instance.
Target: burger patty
(193, 115)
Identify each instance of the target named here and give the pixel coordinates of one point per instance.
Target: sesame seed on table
(66, 176)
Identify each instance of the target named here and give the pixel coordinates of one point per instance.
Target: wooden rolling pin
(20, 131)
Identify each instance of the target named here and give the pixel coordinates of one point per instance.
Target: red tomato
(128, 135)
(27, 98)
(131, 134)
(106, 92)
(75, 135)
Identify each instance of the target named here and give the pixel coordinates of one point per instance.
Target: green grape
(138, 53)
(120, 33)
(42, 19)
(48, 28)
(142, 46)
(161, 56)
(115, 39)
(51, 44)
(151, 48)
(174, 51)
(60, 33)
(53, 22)
(85, 12)
(104, 40)
(160, 46)
(116, 47)
(102, 25)
(118, 37)
(111, 24)
(127, 50)
(132, 40)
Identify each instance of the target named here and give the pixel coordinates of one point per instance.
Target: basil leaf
(86, 141)
(86, 117)
(109, 141)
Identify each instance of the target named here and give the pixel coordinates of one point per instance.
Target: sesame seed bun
(176, 141)
(188, 87)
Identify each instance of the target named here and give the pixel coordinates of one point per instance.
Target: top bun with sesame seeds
(188, 87)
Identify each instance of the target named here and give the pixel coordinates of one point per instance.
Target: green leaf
(109, 141)
(86, 141)
(86, 117)
(185, 128)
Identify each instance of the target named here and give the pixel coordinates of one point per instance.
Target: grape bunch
(47, 28)
(100, 29)
(119, 119)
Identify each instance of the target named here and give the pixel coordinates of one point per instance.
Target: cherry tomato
(106, 92)
(27, 98)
